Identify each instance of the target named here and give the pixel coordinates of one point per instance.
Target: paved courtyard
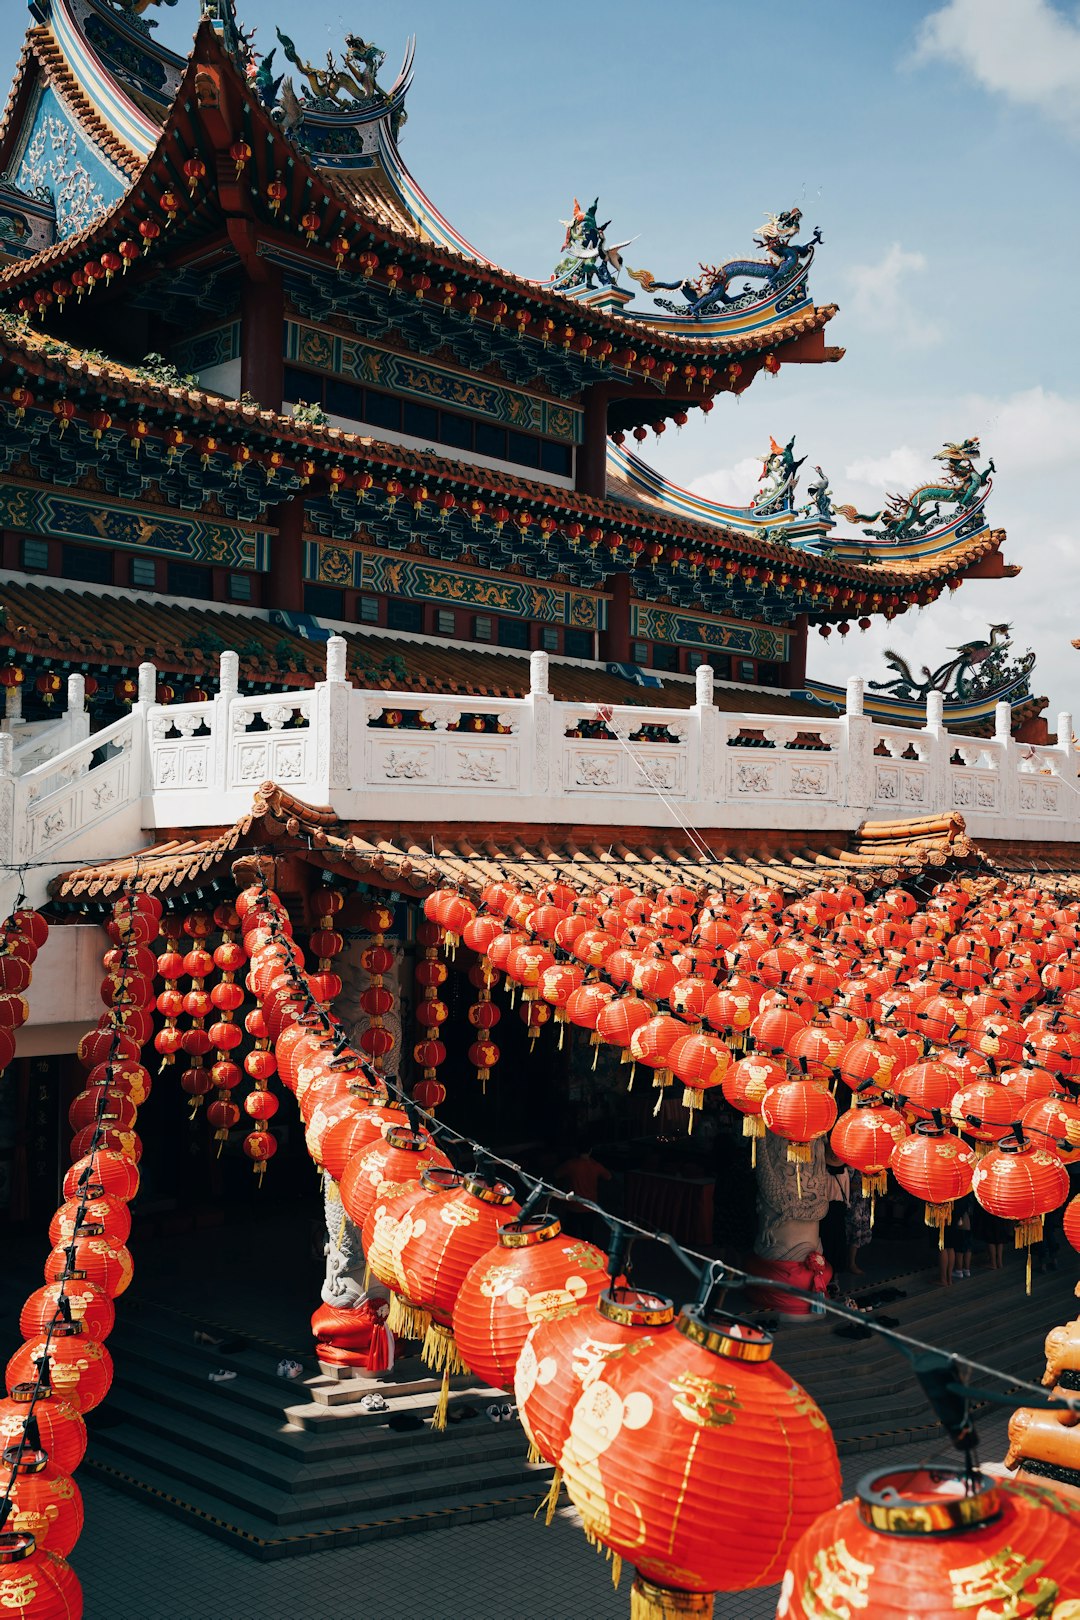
(137, 1563)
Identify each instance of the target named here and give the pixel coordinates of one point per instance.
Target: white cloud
(1028, 432)
(902, 468)
(1025, 50)
(880, 297)
(732, 486)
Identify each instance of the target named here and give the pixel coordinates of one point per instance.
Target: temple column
(616, 638)
(796, 660)
(262, 338)
(285, 581)
(591, 464)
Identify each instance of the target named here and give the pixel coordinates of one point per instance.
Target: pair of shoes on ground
(288, 1368)
(222, 1376)
(373, 1402)
(961, 1271)
(501, 1413)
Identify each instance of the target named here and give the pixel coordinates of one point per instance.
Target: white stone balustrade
(399, 757)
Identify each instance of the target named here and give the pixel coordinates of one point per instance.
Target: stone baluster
(9, 823)
(78, 716)
(1008, 759)
(939, 798)
(701, 773)
(856, 787)
(228, 691)
(140, 716)
(331, 719)
(13, 715)
(540, 718)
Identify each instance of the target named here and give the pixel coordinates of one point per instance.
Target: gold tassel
(1027, 1275)
(440, 1351)
(533, 1454)
(442, 1405)
(799, 1152)
(367, 1270)
(616, 1570)
(551, 1500)
(650, 1602)
(798, 1177)
(938, 1215)
(877, 1182)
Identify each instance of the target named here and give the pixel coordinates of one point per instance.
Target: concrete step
(244, 1531)
(305, 1497)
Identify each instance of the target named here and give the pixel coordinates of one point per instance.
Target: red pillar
(591, 463)
(285, 581)
(796, 661)
(262, 338)
(616, 639)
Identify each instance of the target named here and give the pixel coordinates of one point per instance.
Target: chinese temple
(421, 762)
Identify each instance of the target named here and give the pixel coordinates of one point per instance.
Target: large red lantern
(799, 1111)
(385, 1168)
(94, 1260)
(700, 1062)
(103, 1174)
(744, 1087)
(983, 1111)
(661, 1447)
(533, 1273)
(926, 1088)
(79, 1370)
(1021, 1181)
(44, 1502)
(927, 1542)
(348, 1138)
(35, 1583)
(61, 1431)
(1054, 1123)
(652, 1044)
(866, 1138)
(563, 1355)
(936, 1166)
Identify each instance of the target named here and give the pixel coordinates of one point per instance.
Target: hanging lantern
(936, 1166)
(384, 1169)
(865, 1138)
(661, 1446)
(533, 1273)
(194, 172)
(933, 1542)
(700, 1062)
(745, 1086)
(563, 1355)
(79, 1370)
(276, 193)
(983, 1111)
(58, 1427)
(44, 1502)
(1021, 1181)
(1055, 1123)
(799, 1111)
(926, 1088)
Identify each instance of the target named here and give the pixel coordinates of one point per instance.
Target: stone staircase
(277, 1467)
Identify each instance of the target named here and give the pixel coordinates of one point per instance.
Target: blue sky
(936, 145)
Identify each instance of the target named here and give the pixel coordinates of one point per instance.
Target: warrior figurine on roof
(779, 476)
(588, 256)
(907, 517)
(783, 261)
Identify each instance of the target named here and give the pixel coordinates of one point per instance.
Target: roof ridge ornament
(588, 257)
(910, 517)
(133, 10)
(785, 260)
(980, 669)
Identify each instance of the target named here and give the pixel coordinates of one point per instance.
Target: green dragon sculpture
(905, 517)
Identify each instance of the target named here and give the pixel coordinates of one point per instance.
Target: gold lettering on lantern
(18, 1591)
(1004, 1587)
(709, 1405)
(837, 1585)
(806, 1406)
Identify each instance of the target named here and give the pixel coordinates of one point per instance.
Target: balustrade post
(331, 720)
(9, 823)
(855, 789)
(701, 765)
(140, 718)
(228, 691)
(1008, 756)
(939, 799)
(1070, 810)
(77, 716)
(537, 760)
(13, 715)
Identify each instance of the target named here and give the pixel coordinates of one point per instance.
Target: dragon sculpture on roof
(784, 261)
(908, 517)
(588, 256)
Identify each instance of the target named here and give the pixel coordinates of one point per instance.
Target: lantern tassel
(533, 1454)
(650, 1602)
(406, 1321)
(938, 1215)
(442, 1405)
(440, 1352)
(551, 1500)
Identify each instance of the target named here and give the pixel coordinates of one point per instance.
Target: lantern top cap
(438, 1178)
(15, 1545)
(926, 1501)
(727, 1336)
(489, 1192)
(410, 1141)
(28, 1393)
(22, 1461)
(630, 1307)
(524, 1234)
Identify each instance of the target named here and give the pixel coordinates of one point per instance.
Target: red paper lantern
(983, 1111)
(99, 1217)
(533, 1273)
(385, 1168)
(745, 1086)
(660, 1450)
(927, 1542)
(936, 1166)
(1021, 1181)
(93, 1259)
(700, 1062)
(799, 1111)
(44, 1502)
(84, 1303)
(60, 1427)
(30, 1575)
(103, 1174)
(865, 1138)
(1054, 1123)
(80, 1371)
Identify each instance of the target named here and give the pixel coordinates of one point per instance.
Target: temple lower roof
(420, 858)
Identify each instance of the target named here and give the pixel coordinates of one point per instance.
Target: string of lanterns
(487, 1285)
(63, 1369)
(22, 934)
